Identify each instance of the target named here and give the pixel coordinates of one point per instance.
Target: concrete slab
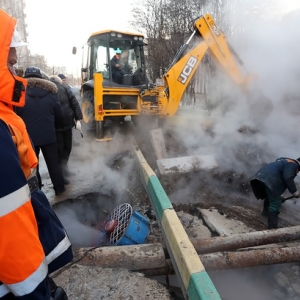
(221, 224)
(186, 164)
(158, 143)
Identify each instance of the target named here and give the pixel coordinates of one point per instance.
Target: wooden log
(150, 258)
(235, 260)
(135, 257)
(243, 240)
(251, 258)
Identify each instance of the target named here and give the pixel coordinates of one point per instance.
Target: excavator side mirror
(74, 50)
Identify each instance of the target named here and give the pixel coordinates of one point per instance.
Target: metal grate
(122, 214)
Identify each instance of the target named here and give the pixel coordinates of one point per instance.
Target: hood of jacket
(38, 88)
(55, 79)
(296, 161)
(12, 88)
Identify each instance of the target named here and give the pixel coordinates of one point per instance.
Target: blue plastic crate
(137, 230)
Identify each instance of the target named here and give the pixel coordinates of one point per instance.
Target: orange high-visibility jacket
(22, 260)
(55, 242)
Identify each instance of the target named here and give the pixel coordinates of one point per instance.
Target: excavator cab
(103, 46)
(106, 100)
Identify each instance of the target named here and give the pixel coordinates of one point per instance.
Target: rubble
(211, 191)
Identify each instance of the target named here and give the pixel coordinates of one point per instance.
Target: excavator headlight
(140, 38)
(135, 38)
(113, 34)
(119, 35)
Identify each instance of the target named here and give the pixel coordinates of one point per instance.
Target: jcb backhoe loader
(103, 99)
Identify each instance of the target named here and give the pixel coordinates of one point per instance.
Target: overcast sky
(54, 27)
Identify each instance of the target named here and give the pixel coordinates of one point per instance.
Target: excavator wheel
(87, 107)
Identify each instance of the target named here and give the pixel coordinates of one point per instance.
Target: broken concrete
(220, 224)
(186, 164)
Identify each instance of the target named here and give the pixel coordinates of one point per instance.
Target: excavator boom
(209, 39)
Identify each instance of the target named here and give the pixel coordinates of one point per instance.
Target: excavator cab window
(104, 46)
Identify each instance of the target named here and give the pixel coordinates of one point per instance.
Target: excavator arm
(209, 39)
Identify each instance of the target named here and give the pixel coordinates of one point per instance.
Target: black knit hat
(33, 72)
(61, 76)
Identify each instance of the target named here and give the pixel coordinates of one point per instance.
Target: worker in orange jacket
(24, 268)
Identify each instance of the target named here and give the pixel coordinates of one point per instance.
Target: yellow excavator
(105, 100)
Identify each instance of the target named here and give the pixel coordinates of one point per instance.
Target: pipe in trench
(150, 258)
(244, 240)
(236, 260)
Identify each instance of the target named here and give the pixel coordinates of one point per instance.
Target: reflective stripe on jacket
(22, 260)
(55, 242)
(49, 226)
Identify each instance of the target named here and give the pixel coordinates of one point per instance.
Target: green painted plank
(158, 196)
(202, 288)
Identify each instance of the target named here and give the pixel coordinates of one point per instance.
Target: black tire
(87, 107)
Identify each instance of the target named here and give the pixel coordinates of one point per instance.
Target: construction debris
(220, 224)
(179, 165)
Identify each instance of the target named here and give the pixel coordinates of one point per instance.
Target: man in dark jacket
(72, 113)
(270, 182)
(64, 81)
(42, 113)
(120, 66)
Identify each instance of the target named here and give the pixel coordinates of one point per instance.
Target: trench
(82, 215)
(81, 218)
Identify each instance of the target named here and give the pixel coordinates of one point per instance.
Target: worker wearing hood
(33, 240)
(271, 181)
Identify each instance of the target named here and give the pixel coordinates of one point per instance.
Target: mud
(93, 197)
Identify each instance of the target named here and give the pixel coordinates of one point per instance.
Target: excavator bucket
(178, 165)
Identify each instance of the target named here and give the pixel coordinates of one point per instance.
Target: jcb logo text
(187, 70)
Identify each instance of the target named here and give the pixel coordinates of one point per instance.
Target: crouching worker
(25, 212)
(270, 182)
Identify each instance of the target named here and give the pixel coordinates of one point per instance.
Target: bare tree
(166, 24)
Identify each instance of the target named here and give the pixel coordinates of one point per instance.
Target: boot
(57, 293)
(272, 220)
